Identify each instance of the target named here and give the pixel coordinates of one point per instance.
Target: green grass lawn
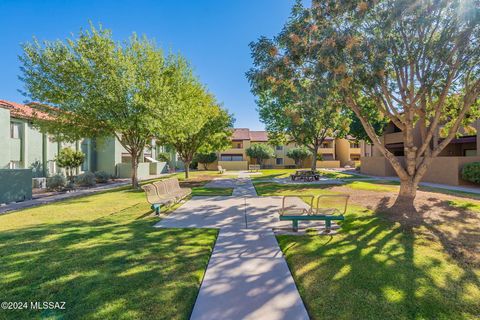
(337, 175)
(273, 173)
(265, 188)
(101, 255)
(377, 185)
(377, 269)
(203, 174)
(202, 191)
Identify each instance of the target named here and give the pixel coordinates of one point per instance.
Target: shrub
(471, 172)
(56, 182)
(86, 179)
(102, 177)
(164, 157)
(193, 164)
(205, 159)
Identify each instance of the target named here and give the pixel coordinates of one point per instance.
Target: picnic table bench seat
(329, 208)
(306, 175)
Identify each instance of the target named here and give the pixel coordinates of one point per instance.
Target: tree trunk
(135, 184)
(314, 158)
(187, 169)
(406, 196)
(297, 163)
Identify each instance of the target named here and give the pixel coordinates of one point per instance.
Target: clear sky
(212, 34)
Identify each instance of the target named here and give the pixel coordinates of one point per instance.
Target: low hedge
(471, 172)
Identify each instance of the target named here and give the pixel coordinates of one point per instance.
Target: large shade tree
(418, 61)
(294, 96)
(197, 123)
(92, 86)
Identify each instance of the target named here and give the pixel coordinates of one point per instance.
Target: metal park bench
(164, 192)
(156, 200)
(329, 208)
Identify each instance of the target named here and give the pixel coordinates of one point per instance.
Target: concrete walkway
(247, 276)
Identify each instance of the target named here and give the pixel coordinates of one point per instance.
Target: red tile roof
(23, 111)
(241, 134)
(246, 134)
(260, 136)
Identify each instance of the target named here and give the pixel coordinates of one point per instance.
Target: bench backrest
(161, 187)
(335, 204)
(151, 193)
(296, 205)
(176, 184)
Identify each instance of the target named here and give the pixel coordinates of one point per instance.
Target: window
(325, 145)
(354, 145)
(231, 157)
(279, 161)
(15, 130)
(279, 148)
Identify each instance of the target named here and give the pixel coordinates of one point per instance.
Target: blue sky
(212, 34)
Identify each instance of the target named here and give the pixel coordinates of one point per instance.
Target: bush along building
(334, 152)
(26, 154)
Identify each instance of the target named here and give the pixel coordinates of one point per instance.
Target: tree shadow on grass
(111, 267)
(376, 268)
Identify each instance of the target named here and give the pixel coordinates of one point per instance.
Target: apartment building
(446, 168)
(334, 153)
(25, 147)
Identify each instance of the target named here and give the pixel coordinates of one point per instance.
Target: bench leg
(156, 208)
(328, 225)
(295, 225)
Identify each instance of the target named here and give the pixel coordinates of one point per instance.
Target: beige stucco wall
(233, 165)
(445, 170)
(342, 151)
(328, 164)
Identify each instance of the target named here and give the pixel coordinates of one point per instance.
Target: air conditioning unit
(39, 183)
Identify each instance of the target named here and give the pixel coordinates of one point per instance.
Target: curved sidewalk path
(247, 276)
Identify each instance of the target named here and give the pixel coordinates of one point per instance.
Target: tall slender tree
(294, 97)
(195, 123)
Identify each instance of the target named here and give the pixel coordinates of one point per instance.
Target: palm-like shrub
(69, 159)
